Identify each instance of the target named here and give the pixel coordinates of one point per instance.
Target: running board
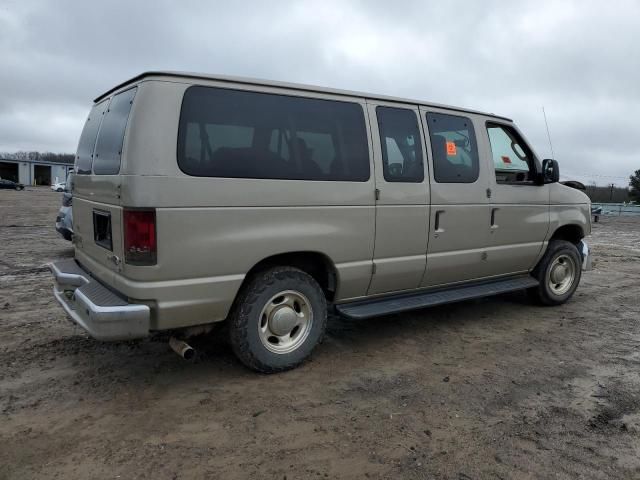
(412, 301)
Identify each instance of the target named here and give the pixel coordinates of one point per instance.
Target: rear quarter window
(108, 151)
(240, 134)
(84, 155)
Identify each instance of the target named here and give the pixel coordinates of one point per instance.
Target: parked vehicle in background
(199, 199)
(10, 185)
(64, 219)
(59, 186)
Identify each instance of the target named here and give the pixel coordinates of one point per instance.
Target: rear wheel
(558, 272)
(277, 320)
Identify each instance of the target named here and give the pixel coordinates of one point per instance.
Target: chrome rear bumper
(102, 313)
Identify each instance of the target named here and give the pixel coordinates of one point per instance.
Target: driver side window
(400, 143)
(512, 159)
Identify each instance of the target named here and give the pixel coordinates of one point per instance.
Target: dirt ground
(496, 388)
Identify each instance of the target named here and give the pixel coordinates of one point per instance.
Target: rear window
(100, 146)
(239, 134)
(84, 155)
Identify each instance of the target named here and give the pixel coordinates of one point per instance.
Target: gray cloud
(576, 58)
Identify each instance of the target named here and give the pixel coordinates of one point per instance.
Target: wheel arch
(571, 233)
(318, 265)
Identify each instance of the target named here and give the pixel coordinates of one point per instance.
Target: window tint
(320, 147)
(455, 152)
(401, 146)
(238, 134)
(84, 155)
(111, 135)
(511, 157)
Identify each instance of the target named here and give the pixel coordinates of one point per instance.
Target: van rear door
(97, 211)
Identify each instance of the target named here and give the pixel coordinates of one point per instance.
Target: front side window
(454, 147)
(512, 159)
(401, 146)
(240, 134)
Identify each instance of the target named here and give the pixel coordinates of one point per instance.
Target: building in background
(35, 171)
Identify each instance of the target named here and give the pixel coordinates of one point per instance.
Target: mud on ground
(495, 388)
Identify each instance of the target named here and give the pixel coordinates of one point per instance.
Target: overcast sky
(581, 60)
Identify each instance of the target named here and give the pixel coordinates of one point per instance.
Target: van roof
(295, 86)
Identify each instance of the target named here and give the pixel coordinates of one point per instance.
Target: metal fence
(618, 208)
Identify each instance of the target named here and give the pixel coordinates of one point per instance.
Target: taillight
(140, 237)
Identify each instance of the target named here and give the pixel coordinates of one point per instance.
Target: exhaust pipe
(182, 348)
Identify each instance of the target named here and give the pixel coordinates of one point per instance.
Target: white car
(59, 187)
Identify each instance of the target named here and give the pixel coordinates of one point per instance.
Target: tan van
(202, 198)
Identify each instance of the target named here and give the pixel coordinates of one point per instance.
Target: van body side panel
(568, 207)
(211, 231)
(567, 214)
(154, 119)
(402, 221)
(225, 243)
(461, 237)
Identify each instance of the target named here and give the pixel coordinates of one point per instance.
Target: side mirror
(550, 171)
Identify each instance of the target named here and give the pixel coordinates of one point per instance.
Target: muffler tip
(182, 348)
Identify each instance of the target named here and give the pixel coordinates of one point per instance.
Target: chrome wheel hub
(285, 322)
(562, 274)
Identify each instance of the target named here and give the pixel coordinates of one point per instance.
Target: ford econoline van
(199, 199)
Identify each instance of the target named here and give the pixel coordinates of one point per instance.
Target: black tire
(544, 293)
(247, 319)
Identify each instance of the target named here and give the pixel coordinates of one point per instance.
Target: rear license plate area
(102, 229)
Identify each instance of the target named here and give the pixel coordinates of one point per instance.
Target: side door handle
(494, 225)
(436, 224)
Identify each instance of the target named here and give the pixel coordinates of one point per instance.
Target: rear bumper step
(102, 313)
(412, 301)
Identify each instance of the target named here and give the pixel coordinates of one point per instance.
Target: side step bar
(411, 301)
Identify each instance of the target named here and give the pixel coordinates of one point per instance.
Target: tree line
(634, 184)
(612, 194)
(40, 156)
(607, 194)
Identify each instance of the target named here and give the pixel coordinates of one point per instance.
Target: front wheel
(558, 272)
(277, 320)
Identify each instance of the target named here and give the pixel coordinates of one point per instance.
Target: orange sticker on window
(451, 149)
(506, 159)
